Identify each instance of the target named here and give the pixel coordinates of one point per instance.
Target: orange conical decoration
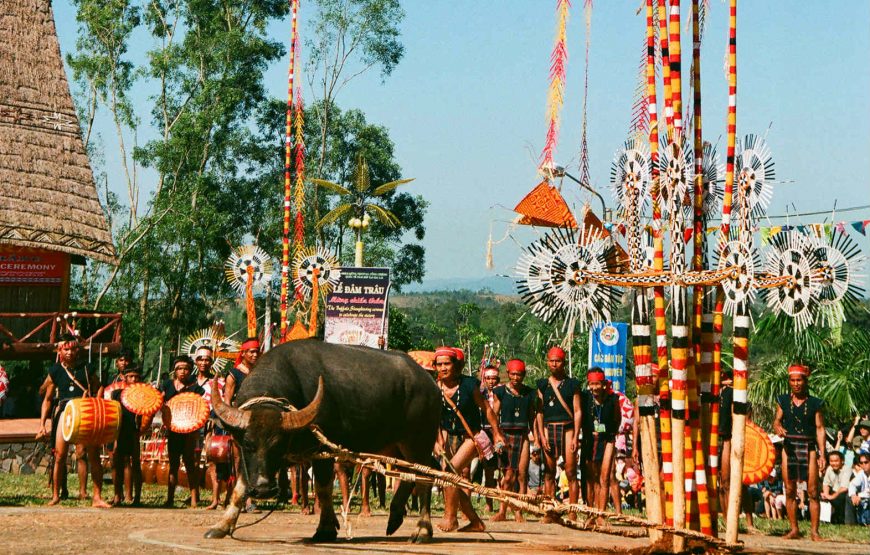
(544, 206)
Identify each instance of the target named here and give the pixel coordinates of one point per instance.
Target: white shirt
(860, 485)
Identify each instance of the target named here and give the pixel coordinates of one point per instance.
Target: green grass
(33, 491)
(830, 532)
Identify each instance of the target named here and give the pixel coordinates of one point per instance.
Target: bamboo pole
(646, 380)
(741, 320)
(679, 324)
(698, 378)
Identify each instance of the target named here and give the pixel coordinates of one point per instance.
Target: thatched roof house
(48, 198)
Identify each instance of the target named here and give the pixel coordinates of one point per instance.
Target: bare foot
(128, 501)
(793, 535)
(116, 500)
(365, 511)
(500, 517)
(54, 501)
(83, 496)
(100, 504)
(306, 510)
(211, 507)
(448, 526)
(815, 537)
(518, 517)
(474, 526)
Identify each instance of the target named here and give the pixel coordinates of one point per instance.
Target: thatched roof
(48, 198)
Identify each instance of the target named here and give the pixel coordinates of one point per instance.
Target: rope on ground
(544, 507)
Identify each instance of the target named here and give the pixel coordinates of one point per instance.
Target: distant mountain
(500, 285)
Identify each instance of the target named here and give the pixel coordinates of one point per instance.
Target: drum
(189, 412)
(759, 454)
(90, 421)
(161, 473)
(111, 388)
(149, 472)
(142, 399)
(218, 448)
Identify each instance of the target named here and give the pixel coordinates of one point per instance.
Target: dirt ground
(124, 530)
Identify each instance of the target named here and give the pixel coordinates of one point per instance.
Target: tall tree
(350, 37)
(205, 64)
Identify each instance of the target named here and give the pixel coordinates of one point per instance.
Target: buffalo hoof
(423, 534)
(395, 521)
(324, 536)
(215, 534)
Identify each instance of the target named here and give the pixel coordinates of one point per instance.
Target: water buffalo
(363, 399)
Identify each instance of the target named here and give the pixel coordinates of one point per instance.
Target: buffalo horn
(231, 416)
(296, 420)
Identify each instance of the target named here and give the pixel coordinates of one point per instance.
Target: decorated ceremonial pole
(299, 192)
(658, 265)
(555, 94)
(679, 323)
(250, 308)
(697, 369)
(288, 147)
(646, 380)
(741, 318)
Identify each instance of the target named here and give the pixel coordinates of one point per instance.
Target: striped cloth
(798, 451)
(556, 438)
(514, 441)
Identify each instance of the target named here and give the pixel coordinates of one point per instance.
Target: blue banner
(608, 343)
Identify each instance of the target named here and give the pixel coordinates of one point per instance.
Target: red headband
(557, 353)
(798, 369)
(596, 376)
(445, 352)
(460, 355)
(516, 365)
(490, 372)
(250, 344)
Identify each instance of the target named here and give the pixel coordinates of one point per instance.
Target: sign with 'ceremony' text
(608, 343)
(356, 309)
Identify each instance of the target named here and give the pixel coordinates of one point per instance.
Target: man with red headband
(518, 404)
(70, 379)
(601, 408)
(249, 352)
(799, 419)
(461, 408)
(558, 423)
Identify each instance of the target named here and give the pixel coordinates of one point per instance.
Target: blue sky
(466, 106)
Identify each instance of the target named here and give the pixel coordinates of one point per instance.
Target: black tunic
(515, 409)
(463, 398)
(552, 409)
(606, 414)
(800, 422)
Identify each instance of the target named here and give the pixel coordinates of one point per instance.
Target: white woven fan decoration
(236, 267)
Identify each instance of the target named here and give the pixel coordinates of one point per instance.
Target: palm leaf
(383, 215)
(361, 175)
(387, 187)
(329, 185)
(334, 214)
